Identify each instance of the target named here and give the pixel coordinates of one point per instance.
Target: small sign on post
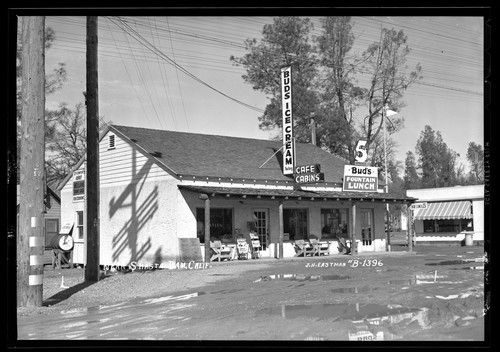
(421, 205)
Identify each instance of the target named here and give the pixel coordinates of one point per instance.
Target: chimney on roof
(313, 130)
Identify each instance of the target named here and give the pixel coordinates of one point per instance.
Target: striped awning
(445, 210)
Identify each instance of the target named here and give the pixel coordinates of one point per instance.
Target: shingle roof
(222, 156)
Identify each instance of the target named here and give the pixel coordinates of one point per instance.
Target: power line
(125, 27)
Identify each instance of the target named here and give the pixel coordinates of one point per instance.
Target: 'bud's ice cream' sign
(360, 178)
(286, 98)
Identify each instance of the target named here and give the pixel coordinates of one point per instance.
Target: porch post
(206, 198)
(280, 240)
(388, 238)
(354, 245)
(409, 228)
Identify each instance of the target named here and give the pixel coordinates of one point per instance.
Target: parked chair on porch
(255, 245)
(320, 248)
(342, 245)
(219, 251)
(303, 248)
(242, 248)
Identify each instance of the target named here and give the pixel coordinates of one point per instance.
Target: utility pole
(388, 240)
(386, 112)
(30, 237)
(92, 179)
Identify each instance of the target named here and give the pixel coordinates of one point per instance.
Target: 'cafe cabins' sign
(286, 98)
(360, 178)
(309, 174)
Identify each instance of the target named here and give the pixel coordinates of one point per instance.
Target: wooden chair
(303, 248)
(343, 245)
(219, 251)
(242, 248)
(255, 246)
(321, 248)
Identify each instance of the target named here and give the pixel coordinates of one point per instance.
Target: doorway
(367, 226)
(260, 218)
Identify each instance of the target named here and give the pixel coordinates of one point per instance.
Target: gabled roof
(227, 157)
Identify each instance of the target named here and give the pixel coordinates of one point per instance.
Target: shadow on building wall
(141, 212)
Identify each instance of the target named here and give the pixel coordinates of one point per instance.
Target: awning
(445, 210)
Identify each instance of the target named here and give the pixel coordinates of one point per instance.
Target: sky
(178, 75)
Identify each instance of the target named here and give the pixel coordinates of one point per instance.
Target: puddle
(363, 289)
(470, 268)
(457, 262)
(302, 277)
(355, 312)
(224, 291)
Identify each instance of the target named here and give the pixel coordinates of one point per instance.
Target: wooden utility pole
(92, 179)
(30, 238)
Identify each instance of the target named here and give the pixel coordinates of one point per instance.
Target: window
(295, 223)
(221, 223)
(449, 225)
(51, 230)
(111, 141)
(334, 223)
(79, 225)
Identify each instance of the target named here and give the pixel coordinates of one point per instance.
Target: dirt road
(434, 294)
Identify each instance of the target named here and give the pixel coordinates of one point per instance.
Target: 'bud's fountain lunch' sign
(360, 178)
(286, 97)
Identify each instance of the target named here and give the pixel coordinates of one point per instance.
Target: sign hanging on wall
(360, 178)
(78, 185)
(421, 205)
(309, 174)
(286, 98)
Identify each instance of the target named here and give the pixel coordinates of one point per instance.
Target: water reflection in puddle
(481, 267)
(302, 277)
(355, 312)
(457, 262)
(363, 289)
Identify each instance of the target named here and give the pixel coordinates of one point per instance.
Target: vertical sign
(286, 97)
(78, 185)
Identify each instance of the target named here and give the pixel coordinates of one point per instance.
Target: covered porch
(281, 217)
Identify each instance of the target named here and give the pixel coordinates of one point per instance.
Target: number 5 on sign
(361, 154)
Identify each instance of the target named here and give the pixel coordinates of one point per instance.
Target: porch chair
(303, 248)
(242, 248)
(342, 245)
(255, 245)
(320, 248)
(219, 251)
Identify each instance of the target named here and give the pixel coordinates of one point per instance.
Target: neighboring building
(151, 182)
(51, 215)
(451, 213)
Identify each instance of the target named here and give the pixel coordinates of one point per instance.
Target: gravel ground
(66, 288)
(238, 300)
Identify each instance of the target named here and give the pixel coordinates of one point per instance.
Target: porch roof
(297, 194)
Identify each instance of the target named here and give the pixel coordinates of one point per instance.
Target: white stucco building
(151, 182)
(451, 212)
